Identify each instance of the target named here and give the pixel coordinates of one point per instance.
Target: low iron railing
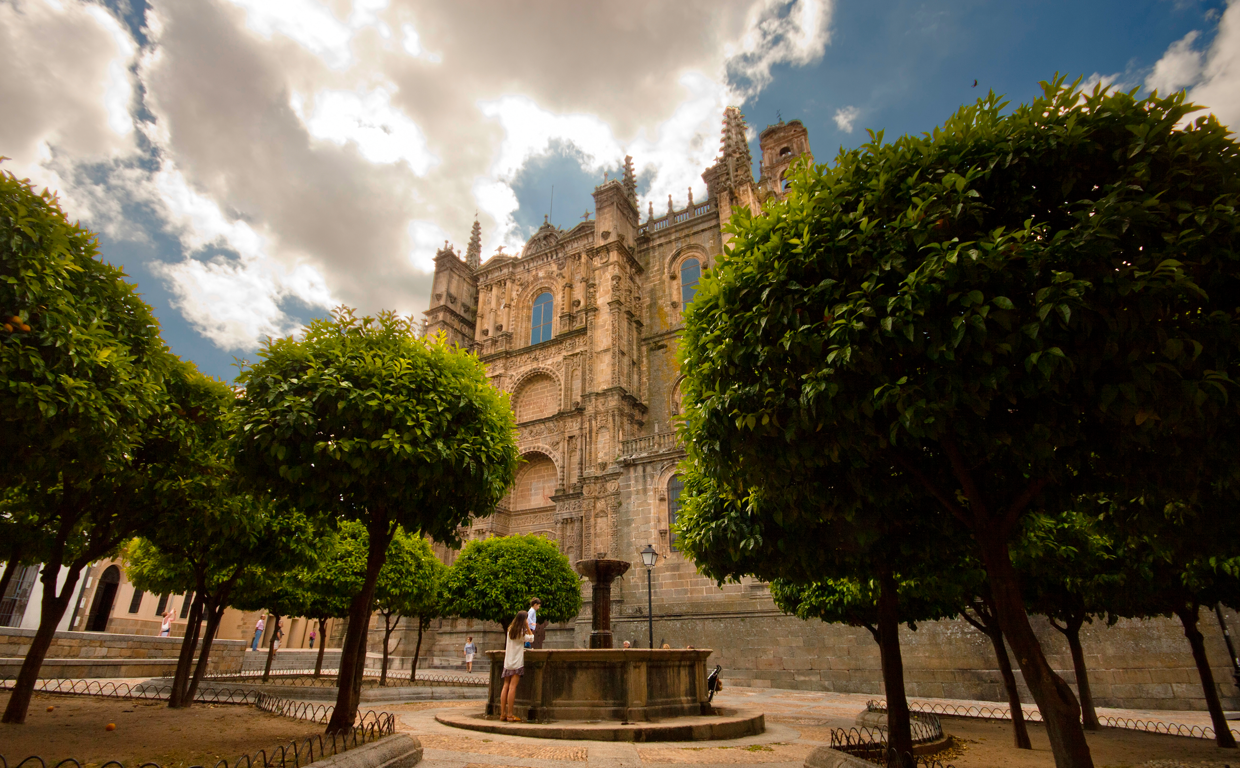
(999, 712)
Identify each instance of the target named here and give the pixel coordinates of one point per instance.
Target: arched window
(785, 151)
(540, 320)
(675, 487)
(690, 271)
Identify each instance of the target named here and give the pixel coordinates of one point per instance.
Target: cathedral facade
(581, 329)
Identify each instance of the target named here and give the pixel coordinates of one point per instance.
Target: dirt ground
(986, 744)
(145, 731)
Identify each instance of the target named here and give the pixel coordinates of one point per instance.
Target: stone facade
(596, 395)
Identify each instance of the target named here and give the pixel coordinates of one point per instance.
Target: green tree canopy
(80, 351)
(359, 419)
(990, 307)
(494, 579)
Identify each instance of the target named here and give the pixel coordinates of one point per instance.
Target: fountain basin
(618, 684)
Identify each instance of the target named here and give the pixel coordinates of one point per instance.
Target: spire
(734, 147)
(630, 180)
(473, 256)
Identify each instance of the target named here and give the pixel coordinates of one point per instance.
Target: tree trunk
(417, 649)
(1222, 731)
(180, 680)
(1072, 630)
(1020, 732)
(318, 663)
(51, 610)
(10, 568)
(899, 730)
(1060, 711)
(353, 652)
(388, 626)
(214, 614)
(271, 645)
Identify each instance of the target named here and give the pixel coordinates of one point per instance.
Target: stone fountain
(613, 694)
(601, 572)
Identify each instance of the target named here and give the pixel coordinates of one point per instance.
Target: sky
(253, 163)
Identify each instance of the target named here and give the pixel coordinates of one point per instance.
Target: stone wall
(1134, 664)
(99, 654)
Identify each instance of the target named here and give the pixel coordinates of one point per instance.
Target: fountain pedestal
(601, 572)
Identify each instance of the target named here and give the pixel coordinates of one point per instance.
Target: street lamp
(649, 558)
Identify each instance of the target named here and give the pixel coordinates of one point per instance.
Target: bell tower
(782, 145)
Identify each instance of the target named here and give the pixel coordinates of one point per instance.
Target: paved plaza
(797, 722)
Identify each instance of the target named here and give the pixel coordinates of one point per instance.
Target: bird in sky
(974, 83)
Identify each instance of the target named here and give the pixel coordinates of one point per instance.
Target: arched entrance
(105, 595)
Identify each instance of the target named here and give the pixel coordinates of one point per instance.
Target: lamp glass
(649, 556)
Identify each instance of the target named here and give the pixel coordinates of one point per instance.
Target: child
(514, 666)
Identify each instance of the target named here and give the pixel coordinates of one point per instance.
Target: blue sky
(252, 163)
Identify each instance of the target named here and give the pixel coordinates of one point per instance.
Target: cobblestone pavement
(797, 722)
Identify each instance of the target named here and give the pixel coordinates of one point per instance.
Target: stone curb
(735, 727)
(398, 751)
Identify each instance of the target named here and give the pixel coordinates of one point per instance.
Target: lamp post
(649, 558)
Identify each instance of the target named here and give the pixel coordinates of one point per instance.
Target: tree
(741, 518)
(1068, 570)
(990, 307)
(80, 351)
(361, 420)
(407, 583)
(147, 487)
(225, 537)
(1183, 557)
(425, 607)
(880, 606)
(493, 580)
(979, 611)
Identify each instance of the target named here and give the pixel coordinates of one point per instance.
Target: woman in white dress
(514, 666)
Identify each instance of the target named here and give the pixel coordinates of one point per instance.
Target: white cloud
(1219, 86)
(1179, 67)
(778, 32)
(65, 93)
(845, 117)
(317, 151)
(380, 132)
(1212, 76)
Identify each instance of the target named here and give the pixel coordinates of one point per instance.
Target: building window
(163, 603)
(136, 601)
(785, 151)
(690, 271)
(675, 487)
(186, 603)
(540, 320)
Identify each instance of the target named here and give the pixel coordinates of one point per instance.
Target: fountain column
(601, 572)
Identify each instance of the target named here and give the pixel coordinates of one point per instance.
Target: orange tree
(991, 307)
(361, 420)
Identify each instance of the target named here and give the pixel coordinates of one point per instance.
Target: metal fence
(999, 712)
(872, 743)
(305, 677)
(369, 726)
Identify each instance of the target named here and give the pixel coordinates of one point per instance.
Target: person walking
(258, 632)
(279, 634)
(514, 665)
(312, 638)
(165, 628)
(470, 650)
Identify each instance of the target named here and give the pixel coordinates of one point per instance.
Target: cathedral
(581, 330)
